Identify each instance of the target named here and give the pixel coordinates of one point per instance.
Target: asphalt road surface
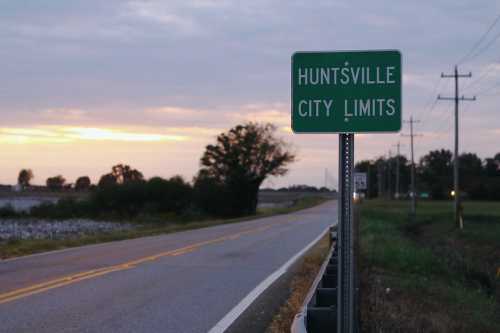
(193, 281)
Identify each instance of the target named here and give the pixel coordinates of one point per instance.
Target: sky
(87, 84)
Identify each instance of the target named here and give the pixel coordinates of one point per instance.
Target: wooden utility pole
(456, 99)
(379, 180)
(413, 193)
(397, 190)
(326, 177)
(368, 181)
(389, 175)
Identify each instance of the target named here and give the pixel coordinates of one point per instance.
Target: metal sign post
(346, 283)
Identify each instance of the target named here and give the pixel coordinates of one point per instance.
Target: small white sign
(360, 181)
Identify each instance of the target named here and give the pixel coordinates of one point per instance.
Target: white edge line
(232, 315)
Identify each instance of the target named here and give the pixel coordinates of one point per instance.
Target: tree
(471, 170)
(490, 183)
(107, 180)
(492, 167)
(56, 183)
(124, 174)
(25, 177)
(497, 158)
(172, 195)
(82, 183)
(239, 162)
(121, 174)
(436, 170)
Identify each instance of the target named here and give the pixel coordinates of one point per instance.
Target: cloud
(68, 134)
(418, 80)
(379, 21)
(175, 111)
(275, 113)
(163, 14)
(64, 114)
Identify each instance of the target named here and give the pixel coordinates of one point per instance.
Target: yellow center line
(74, 278)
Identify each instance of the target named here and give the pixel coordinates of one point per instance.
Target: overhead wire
(479, 41)
(487, 46)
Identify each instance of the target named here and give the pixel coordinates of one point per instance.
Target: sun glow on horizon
(68, 134)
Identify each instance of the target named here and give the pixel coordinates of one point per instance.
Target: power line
(439, 117)
(480, 40)
(483, 74)
(487, 46)
(445, 124)
(429, 114)
(483, 91)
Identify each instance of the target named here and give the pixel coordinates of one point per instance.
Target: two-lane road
(193, 281)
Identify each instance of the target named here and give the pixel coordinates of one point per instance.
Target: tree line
(479, 179)
(227, 183)
(56, 183)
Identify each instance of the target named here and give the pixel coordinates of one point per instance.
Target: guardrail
(319, 311)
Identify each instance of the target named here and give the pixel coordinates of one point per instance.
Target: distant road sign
(346, 92)
(360, 182)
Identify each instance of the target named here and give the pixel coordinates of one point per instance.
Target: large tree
(237, 164)
(436, 170)
(24, 178)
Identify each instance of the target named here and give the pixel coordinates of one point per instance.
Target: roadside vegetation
(427, 276)
(304, 275)
(15, 247)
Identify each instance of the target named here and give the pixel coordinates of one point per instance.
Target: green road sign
(346, 92)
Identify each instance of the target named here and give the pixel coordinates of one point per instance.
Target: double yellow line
(70, 279)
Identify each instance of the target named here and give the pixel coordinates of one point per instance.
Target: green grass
(146, 226)
(434, 265)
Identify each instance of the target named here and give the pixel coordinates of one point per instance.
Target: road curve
(184, 282)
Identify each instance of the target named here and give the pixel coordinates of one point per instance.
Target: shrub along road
(182, 282)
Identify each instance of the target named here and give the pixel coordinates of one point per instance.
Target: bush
(213, 198)
(124, 200)
(127, 200)
(8, 211)
(83, 183)
(64, 209)
(173, 195)
(56, 183)
(154, 196)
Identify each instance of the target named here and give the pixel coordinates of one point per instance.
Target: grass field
(149, 226)
(427, 276)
